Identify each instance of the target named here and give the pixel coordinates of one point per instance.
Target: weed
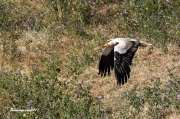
(43, 91)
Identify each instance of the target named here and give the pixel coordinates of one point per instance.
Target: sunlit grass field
(50, 50)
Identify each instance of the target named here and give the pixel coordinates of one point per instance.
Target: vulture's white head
(110, 44)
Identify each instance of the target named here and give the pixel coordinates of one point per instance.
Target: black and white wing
(106, 62)
(123, 61)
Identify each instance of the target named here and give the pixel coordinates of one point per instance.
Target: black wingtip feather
(106, 64)
(123, 63)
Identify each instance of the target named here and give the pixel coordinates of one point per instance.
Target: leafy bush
(13, 17)
(43, 91)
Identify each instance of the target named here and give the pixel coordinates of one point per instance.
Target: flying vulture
(118, 54)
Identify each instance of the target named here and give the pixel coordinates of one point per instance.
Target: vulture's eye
(117, 43)
(108, 41)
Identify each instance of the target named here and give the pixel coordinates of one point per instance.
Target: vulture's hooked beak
(106, 45)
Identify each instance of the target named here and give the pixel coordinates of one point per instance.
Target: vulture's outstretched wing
(122, 62)
(106, 62)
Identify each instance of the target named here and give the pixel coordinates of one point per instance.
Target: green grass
(43, 91)
(86, 25)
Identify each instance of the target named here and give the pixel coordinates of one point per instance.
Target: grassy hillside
(50, 50)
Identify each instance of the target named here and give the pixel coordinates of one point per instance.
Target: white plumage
(118, 54)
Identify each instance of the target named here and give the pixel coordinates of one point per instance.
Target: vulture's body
(118, 54)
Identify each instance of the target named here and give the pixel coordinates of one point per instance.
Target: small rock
(101, 96)
(178, 43)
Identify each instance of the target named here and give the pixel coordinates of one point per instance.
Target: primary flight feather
(118, 54)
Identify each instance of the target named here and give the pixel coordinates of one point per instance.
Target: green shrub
(43, 91)
(14, 18)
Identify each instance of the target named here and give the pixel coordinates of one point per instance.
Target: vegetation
(49, 52)
(156, 102)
